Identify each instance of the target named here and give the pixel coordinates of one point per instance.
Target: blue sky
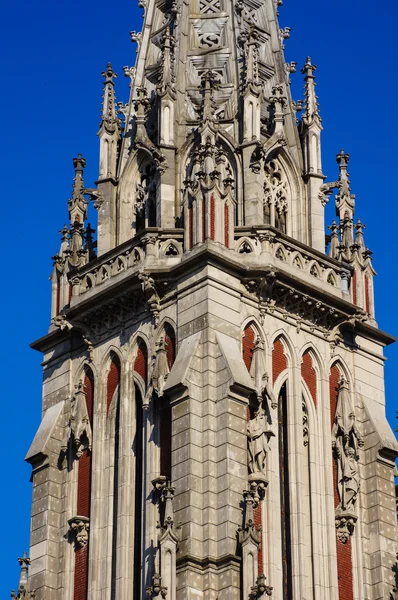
(52, 56)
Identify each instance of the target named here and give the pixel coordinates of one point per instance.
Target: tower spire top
(77, 205)
(311, 99)
(109, 118)
(345, 201)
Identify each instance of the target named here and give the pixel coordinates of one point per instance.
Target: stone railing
(249, 242)
(128, 256)
(293, 253)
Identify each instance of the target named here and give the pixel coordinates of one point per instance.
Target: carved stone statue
(79, 530)
(347, 478)
(78, 430)
(346, 440)
(258, 436)
(260, 376)
(151, 295)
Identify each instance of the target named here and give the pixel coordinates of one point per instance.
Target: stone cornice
(124, 291)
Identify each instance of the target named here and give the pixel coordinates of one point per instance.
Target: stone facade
(213, 391)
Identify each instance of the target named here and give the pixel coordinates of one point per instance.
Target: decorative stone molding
(293, 254)
(346, 442)
(276, 295)
(306, 440)
(345, 525)
(78, 432)
(249, 538)
(168, 543)
(156, 590)
(249, 533)
(151, 295)
(79, 531)
(260, 589)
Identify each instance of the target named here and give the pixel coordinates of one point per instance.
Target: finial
(359, 237)
(167, 62)
(334, 239)
(311, 113)
(209, 82)
(110, 122)
(77, 206)
(345, 201)
(23, 593)
(79, 163)
(24, 562)
(308, 68)
(342, 159)
(252, 43)
(109, 74)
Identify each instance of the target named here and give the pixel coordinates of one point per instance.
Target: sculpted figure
(258, 442)
(78, 430)
(346, 440)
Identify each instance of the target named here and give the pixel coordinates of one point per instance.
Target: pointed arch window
(145, 196)
(209, 204)
(113, 450)
(164, 408)
(138, 492)
(284, 479)
(140, 370)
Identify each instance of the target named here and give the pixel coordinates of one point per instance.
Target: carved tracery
(276, 195)
(209, 196)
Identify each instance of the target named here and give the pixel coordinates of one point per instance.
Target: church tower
(213, 392)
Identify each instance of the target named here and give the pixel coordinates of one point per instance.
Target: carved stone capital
(249, 533)
(260, 588)
(156, 590)
(345, 525)
(79, 528)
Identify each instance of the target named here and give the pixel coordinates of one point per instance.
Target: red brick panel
(80, 586)
(170, 339)
(248, 346)
(84, 485)
(258, 522)
(344, 554)
(141, 361)
(58, 296)
(165, 437)
(334, 379)
(367, 296)
(212, 218)
(203, 220)
(226, 225)
(279, 360)
(354, 287)
(89, 391)
(344, 571)
(190, 227)
(308, 373)
(113, 381)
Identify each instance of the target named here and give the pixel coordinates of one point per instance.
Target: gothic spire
(23, 593)
(109, 118)
(311, 100)
(345, 201)
(77, 205)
